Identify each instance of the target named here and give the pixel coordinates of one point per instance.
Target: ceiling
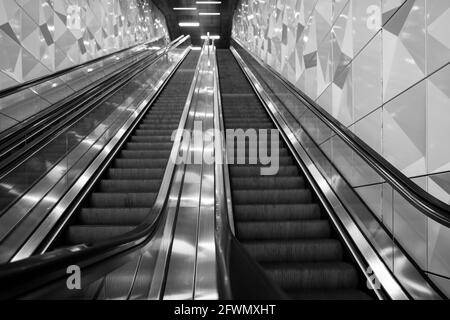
(215, 25)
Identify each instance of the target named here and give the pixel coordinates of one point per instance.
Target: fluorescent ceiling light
(208, 2)
(186, 9)
(189, 24)
(212, 37)
(209, 14)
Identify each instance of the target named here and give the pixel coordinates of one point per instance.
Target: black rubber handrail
(37, 81)
(47, 272)
(416, 196)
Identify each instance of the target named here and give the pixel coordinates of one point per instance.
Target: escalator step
(271, 196)
(149, 146)
(122, 200)
(310, 250)
(153, 138)
(276, 212)
(142, 132)
(277, 230)
(118, 217)
(157, 126)
(320, 275)
(249, 171)
(255, 160)
(320, 294)
(140, 163)
(135, 174)
(158, 154)
(268, 182)
(91, 234)
(115, 186)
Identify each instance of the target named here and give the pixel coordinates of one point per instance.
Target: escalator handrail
(432, 207)
(31, 83)
(32, 274)
(11, 139)
(239, 276)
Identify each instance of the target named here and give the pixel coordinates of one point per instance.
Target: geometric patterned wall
(39, 37)
(378, 66)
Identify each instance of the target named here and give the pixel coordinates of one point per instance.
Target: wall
(38, 37)
(378, 66)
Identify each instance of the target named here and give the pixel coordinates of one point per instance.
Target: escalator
(277, 218)
(124, 196)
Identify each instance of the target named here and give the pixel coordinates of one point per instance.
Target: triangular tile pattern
(356, 56)
(404, 131)
(437, 120)
(438, 41)
(39, 37)
(403, 54)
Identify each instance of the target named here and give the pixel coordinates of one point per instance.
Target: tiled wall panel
(378, 66)
(39, 37)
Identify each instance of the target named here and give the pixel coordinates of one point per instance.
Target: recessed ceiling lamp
(208, 2)
(185, 9)
(189, 24)
(212, 37)
(209, 13)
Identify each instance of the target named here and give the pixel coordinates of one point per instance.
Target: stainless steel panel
(192, 269)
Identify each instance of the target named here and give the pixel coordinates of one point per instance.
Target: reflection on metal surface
(192, 269)
(180, 146)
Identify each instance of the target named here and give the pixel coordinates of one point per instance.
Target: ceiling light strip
(189, 24)
(212, 37)
(208, 2)
(185, 9)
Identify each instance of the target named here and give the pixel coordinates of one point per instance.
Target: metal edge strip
(224, 205)
(181, 270)
(205, 286)
(162, 264)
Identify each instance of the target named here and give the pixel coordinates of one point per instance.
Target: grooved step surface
(277, 219)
